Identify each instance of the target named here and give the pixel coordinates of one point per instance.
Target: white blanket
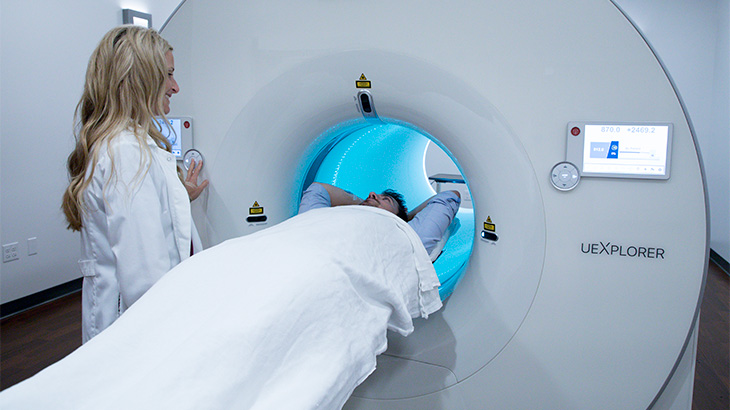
(290, 317)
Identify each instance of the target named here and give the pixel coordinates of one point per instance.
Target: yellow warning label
(489, 226)
(256, 209)
(363, 82)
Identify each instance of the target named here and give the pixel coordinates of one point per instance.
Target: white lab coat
(137, 227)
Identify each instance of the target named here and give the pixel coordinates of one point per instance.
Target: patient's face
(381, 201)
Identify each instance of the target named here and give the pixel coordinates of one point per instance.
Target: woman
(125, 194)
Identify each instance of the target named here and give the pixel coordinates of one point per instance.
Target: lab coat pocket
(88, 267)
(89, 299)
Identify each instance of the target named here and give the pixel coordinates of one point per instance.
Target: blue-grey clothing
(316, 196)
(430, 224)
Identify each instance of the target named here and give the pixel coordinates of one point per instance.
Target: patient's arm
(419, 208)
(432, 218)
(339, 196)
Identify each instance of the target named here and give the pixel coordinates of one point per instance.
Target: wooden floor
(712, 374)
(35, 339)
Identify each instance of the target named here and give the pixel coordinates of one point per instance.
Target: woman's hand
(191, 181)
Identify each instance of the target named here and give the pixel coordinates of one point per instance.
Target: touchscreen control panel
(620, 150)
(179, 132)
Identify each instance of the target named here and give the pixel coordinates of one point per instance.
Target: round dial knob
(564, 176)
(192, 154)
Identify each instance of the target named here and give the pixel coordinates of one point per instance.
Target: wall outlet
(10, 252)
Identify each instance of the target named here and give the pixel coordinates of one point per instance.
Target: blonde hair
(124, 90)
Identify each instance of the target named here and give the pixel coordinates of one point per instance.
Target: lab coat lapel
(179, 202)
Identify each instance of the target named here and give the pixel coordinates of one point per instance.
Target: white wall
(45, 45)
(44, 48)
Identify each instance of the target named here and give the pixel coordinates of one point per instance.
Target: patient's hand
(191, 181)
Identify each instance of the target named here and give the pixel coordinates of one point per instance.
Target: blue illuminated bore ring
(376, 156)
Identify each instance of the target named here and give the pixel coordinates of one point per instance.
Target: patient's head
(389, 200)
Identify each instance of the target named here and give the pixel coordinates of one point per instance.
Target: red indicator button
(186, 124)
(575, 131)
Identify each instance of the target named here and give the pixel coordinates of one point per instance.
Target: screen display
(620, 149)
(173, 133)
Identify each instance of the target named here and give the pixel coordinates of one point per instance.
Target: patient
(430, 219)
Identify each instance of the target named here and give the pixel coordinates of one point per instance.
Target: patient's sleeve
(316, 196)
(431, 223)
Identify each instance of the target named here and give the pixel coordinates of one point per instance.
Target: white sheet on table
(290, 317)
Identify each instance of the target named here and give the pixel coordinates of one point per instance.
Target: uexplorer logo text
(632, 251)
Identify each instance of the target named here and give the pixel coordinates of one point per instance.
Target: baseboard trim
(28, 302)
(719, 261)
